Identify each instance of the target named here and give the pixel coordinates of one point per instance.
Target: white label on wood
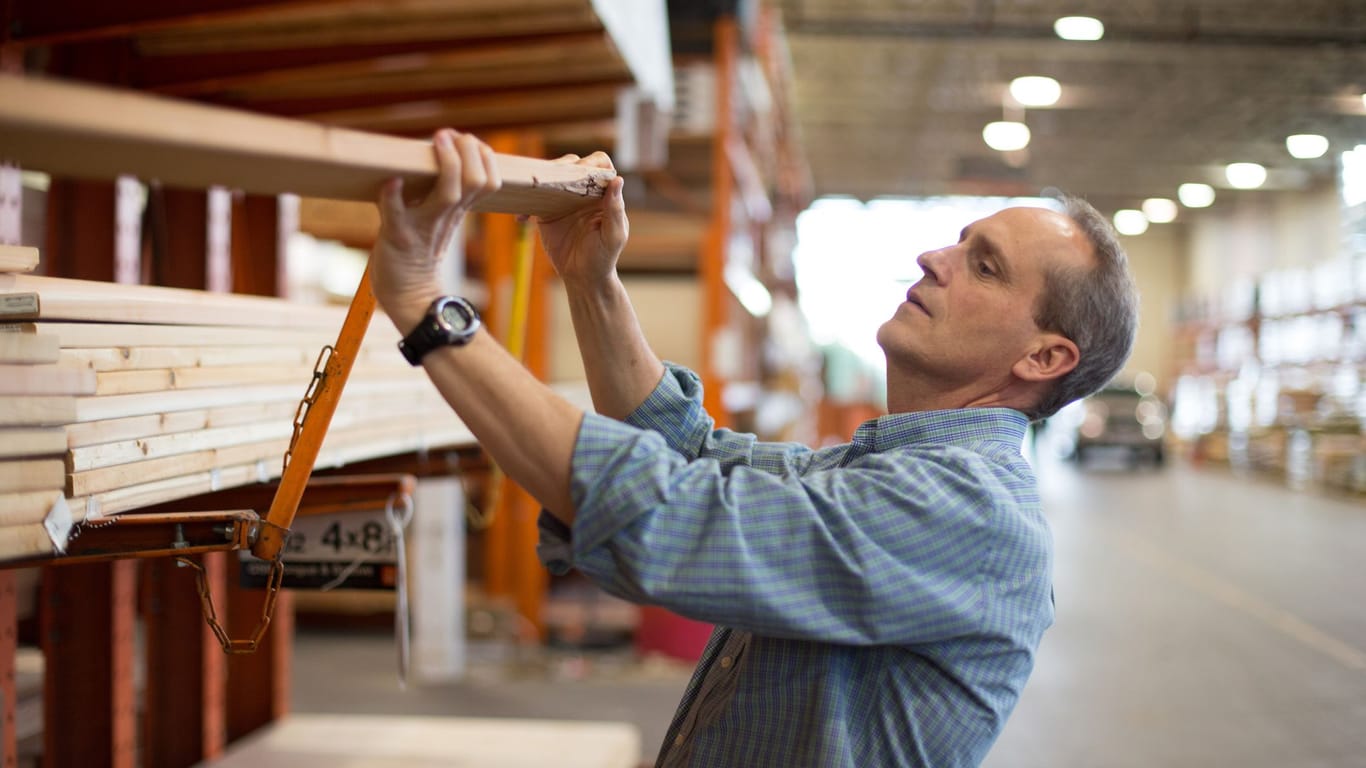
(17, 305)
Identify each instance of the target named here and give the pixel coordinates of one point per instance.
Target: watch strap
(432, 332)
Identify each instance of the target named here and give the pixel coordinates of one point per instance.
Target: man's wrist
(598, 287)
(406, 312)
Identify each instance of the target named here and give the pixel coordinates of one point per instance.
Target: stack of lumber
(114, 397)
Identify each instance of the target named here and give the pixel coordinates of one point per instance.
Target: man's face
(970, 318)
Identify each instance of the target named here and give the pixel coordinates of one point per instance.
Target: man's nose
(932, 264)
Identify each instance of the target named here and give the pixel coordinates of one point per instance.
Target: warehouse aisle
(1203, 620)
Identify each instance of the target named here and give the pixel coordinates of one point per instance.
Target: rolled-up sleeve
(674, 411)
(880, 553)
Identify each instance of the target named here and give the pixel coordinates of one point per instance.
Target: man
(877, 603)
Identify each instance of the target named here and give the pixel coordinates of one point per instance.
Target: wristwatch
(450, 322)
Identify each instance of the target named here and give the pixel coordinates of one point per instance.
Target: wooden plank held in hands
(46, 125)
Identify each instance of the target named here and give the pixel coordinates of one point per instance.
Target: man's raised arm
(584, 247)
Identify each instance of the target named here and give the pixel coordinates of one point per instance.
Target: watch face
(453, 317)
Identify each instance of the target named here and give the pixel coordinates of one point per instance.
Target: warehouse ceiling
(892, 95)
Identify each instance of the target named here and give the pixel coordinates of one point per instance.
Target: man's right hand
(584, 245)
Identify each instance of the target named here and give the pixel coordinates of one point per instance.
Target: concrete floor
(1203, 620)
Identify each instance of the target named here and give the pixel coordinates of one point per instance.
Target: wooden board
(104, 408)
(151, 425)
(469, 67)
(411, 413)
(45, 380)
(47, 125)
(89, 300)
(28, 348)
(19, 442)
(20, 541)
(359, 22)
(110, 454)
(324, 741)
(99, 408)
(18, 258)
(152, 358)
(172, 379)
(35, 411)
(121, 475)
(133, 427)
(23, 507)
(32, 475)
(71, 335)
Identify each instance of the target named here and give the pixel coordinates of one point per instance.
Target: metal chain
(310, 396)
(84, 525)
(273, 582)
(277, 567)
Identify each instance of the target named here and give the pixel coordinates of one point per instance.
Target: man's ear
(1052, 357)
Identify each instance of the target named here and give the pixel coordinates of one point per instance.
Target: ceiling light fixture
(1160, 210)
(1306, 146)
(1195, 195)
(1131, 222)
(1006, 135)
(1035, 91)
(1079, 28)
(1245, 175)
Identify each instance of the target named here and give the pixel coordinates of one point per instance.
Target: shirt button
(678, 740)
(725, 662)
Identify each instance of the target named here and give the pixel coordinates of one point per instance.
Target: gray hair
(1096, 308)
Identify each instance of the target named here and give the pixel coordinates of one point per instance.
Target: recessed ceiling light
(1306, 146)
(1006, 135)
(1245, 175)
(1159, 210)
(1195, 195)
(1131, 222)
(1079, 28)
(1036, 91)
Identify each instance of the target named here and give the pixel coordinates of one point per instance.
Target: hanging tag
(398, 523)
(58, 523)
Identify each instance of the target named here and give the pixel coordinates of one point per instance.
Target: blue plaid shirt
(876, 603)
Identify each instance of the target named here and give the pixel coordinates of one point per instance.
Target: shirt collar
(959, 426)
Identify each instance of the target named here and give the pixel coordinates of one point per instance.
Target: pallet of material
(115, 416)
(193, 393)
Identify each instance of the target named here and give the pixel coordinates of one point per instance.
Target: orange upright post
(499, 245)
(516, 314)
(530, 580)
(725, 46)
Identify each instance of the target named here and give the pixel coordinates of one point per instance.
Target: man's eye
(985, 268)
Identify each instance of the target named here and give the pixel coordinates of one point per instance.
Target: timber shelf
(224, 112)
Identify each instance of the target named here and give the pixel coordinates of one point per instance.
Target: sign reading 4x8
(321, 549)
(372, 537)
